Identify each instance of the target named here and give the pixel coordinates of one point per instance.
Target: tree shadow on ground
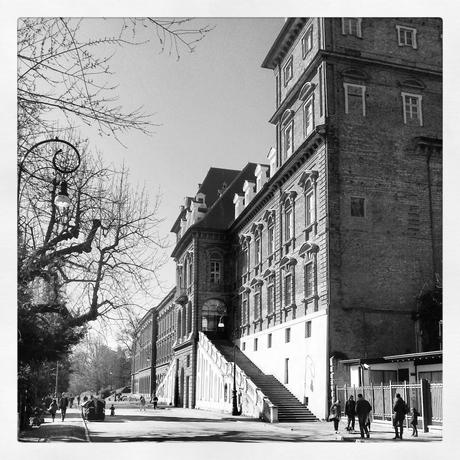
(162, 418)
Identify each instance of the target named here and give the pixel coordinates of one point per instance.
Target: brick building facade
(320, 254)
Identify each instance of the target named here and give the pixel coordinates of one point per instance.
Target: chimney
(248, 189)
(272, 161)
(239, 205)
(261, 176)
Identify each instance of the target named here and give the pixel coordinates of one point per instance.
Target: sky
(211, 108)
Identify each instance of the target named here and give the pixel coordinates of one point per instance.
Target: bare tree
(64, 69)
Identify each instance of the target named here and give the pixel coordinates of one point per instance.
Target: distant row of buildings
(293, 273)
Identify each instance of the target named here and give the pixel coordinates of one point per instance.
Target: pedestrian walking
(414, 421)
(399, 414)
(63, 404)
(78, 400)
(142, 404)
(335, 414)
(112, 410)
(362, 409)
(155, 402)
(350, 412)
(52, 409)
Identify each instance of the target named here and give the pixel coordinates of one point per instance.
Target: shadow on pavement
(164, 418)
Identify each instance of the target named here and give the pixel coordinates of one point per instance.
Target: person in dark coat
(52, 409)
(399, 414)
(414, 421)
(335, 414)
(350, 412)
(363, 409)
(63, 404)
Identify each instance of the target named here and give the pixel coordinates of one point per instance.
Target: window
(351, 26)
(355, 101)
(215, 270)
(257, 302)
(307, 42)
(308, 329)
(407, 36)
(271, 236)
(288, 221)
(287, 335)
(244, 346)
(189, 278)
(257, 251)
(188, 360)
(357, 207)
(270, 294)
(256, 344)
(269, 341)
(308, 117)
(309, 206)
(309, 280)
(287, 71)
(288, 140)
(288, 289)
(277, 85)
(244, 261)
(286, 370)
(244, 308)
(412, 109)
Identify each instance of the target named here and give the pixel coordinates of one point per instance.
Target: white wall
(308, 364)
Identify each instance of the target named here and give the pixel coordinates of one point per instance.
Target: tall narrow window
(271, 236)
(356, 206)
(288, 71)
(287, 335)
(270, 294)
(286, 370)
(308, 329)
(288, 289)
(309, 280)
(307, 42)
(257, 302)
(256, 344)
(351, 26)
(288, 139)
(309, 206)
(269, 341)
(244, 308)
(407, 36)
(412, 109)
(288, 221)
(257, 251)
(215, 269)
(355, 99)
(277, 89)
(308, 116)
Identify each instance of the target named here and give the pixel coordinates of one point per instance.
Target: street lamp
(234, 400)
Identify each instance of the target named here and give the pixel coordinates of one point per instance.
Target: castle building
(319, 255)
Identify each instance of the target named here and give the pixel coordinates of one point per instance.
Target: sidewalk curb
(88, 437)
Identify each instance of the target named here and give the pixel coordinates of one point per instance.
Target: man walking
(399, 414)
(63, 403)
(363, 409)
(350, 412)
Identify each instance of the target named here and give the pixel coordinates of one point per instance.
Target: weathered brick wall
(382, 261)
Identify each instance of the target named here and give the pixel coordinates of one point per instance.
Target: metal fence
(424, 396)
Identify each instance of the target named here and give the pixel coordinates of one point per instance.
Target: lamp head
(62, 200)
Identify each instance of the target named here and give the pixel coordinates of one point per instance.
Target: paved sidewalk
(72, 429)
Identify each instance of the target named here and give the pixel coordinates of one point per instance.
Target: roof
(432, 356)
(222, 213)
(283, 41)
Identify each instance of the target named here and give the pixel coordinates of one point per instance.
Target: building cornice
(307, 149)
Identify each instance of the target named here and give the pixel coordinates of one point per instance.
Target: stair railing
(253, 402)
(165, 390)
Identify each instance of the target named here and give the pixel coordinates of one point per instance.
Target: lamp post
(234, 399)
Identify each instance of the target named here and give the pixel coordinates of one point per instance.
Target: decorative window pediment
(288, 196)
(306, 176)
(287, 261)
(256, 281)
(287, 116)
(308, 247)
(268, 272)
(355, 74)
(306, 91)
(269, 213)
(412, 83)
(245, 238)
(244, 290)
(257, 227)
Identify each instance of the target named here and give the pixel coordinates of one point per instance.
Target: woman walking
(53, 409)
(335, 414)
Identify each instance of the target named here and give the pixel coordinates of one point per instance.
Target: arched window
(308, 251)
(257, 250)
(289, 220)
